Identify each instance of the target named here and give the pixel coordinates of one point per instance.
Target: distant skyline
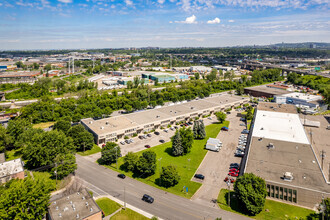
(76, 24)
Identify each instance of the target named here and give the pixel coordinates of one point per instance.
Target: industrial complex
(114, 128)
(281, 153)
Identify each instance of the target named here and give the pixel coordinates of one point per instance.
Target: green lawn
(276, 210)
(107, 205)
(94, 150)
(186, 165)
(43, 125)
(128, 214)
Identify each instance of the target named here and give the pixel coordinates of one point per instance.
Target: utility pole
(322, 157)
(160, 168)
(117, 157)
(124, 198)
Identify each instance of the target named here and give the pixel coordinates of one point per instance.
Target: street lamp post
(228, 184)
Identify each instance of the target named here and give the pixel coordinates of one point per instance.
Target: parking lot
(139, 144)
(215, 165)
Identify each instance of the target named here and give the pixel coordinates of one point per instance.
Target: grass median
(186, 165)
(271, 210)
(95, 149)
(107, 205)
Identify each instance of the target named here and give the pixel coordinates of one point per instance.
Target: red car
(233, 174)
(232, 180)
(234, 170)
(147, 146)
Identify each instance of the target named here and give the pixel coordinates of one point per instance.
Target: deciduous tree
(82, 139)
(220, 116)
(169, 176)
(110, 153)
(251, 192)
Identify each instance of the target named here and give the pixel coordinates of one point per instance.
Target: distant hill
(302, 45)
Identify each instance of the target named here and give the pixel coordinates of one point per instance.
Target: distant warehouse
(111, 129)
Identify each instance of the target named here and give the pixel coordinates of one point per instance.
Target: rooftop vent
(271, 146)
(86, 203)
(78, 193)
(288, 176)
(60, 215)
(77, 216)
(91, 209)
(55, 203)
(106, 122)
(65, 209)
(83, 198)
(67, 198)
(101, 127)
(91, 122)
(56, 208)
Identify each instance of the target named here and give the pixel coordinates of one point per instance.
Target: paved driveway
(215, 165)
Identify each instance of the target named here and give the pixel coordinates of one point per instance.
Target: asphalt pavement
(165, 206)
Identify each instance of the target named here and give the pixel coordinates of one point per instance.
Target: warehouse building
(114, 128)
(280, 152)
(267, 91)
(299, 99)
(161, 77)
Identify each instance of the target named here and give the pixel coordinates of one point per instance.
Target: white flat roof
(279, 126)
(303, 96)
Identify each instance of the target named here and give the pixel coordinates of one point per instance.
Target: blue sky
(70, 24)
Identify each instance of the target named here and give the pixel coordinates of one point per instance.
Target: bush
(126, 137)
(135, 135)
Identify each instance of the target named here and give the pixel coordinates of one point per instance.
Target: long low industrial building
(114, 128)
(280, 152)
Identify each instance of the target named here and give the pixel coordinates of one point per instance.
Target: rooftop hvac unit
(288, 176)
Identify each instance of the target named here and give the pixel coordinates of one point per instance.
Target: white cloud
(161, 1)
(231, 21)
(214, 21)
(65, 1)
(189, 20)
(128, 2)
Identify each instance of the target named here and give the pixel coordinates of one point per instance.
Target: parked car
(234, 164)
(166, 130)
(149, 135)
(127, 141)
(121, 175)
(141, 137)
(161, 141)
(156, 133)
(234, 170)
(245, 131)
(242, 124)
(190, 123)
(122, 142)
(199, 176)
(233, 174)
(228, 113)
(232, 180)
(224, 128)
(242, 119)
(147, 198)
(131, 140)
(172, 128)
(176, 127)
(147, 146)
(209, 118)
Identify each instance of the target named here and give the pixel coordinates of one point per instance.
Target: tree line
(98, 104)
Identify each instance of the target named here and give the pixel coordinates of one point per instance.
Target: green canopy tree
(82, 139)
(62, 125)
(212, 76)
(18, 126)
(110, 153)
(177, 149)
(220, 116)
(201, 130)
(130, 161)
(196, 128)
(5, 139)
(187, 139)
(25, 199)
(169, 176)
(146, 164)
(251, 192)
(44, 147)
(64, 165)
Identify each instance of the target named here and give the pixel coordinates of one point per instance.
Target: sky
(83, 24)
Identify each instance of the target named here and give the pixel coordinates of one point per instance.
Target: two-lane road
(166, 205)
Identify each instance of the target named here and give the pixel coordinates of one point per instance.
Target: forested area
(101, 104)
